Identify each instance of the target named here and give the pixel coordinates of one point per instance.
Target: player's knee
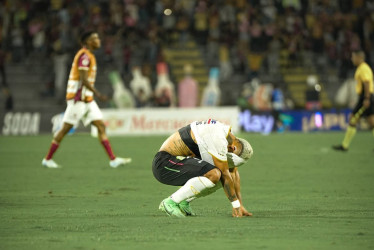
(100, 128)
(352, 122)
(63, 131)
(214, 175)
(371, 122)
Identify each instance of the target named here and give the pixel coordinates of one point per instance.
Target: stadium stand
(275, 41)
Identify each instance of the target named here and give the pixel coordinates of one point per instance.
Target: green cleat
(186, 208)
(171, 208)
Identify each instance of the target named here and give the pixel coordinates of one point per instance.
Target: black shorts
(359, 110)
(177, 170)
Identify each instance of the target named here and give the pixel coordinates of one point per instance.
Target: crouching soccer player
(201, 157)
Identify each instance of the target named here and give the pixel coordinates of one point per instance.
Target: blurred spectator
(188, 89)
(273, 56)
(169, 21)
(312, 93)
(346, 95)
(60, 62)
(182, 27)
(212, 92)
(122, 98)
(213, 39)
(153, 43)
(165, 90)
(201, 22)
(18, 50)
(4, 85)
(295, 4)
(141, 88)
(277, 98)
(243, 29)
(277, 101)
(245, 100)
(225, 65)
(61, 59)
(37, 34)
(262, 95)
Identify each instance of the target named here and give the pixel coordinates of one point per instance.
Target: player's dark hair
(85, 35)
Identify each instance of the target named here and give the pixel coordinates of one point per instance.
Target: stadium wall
(163, 121)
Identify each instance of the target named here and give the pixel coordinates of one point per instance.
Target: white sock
(192, 188)
(191, 199)
(206, 192)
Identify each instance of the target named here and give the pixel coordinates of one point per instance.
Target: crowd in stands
(254, 33)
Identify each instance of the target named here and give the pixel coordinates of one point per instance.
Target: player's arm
(84, 79)
(236, 178)
(228, 185)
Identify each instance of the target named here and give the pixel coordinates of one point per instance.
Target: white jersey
(211, 138)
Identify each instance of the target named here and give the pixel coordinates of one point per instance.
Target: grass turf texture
(303, 196)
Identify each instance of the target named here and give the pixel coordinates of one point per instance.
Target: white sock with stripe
(207, 191)
(192, 188)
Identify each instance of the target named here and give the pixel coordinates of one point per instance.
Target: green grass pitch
(302, 194)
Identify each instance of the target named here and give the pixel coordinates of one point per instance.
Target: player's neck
(88, 48)
(360, 62)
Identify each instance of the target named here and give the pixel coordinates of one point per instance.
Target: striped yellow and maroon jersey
(83, 60)
(364, 74)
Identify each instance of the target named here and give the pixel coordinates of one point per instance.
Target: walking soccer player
(80, 101)
(365, 104)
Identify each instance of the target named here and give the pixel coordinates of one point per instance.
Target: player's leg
(62, 132)
(370, 114)
(72, 115)
(351, 130)
(95, 116)
(354, 117)
(103, 138)
(47, 161)
(114, 160)
(197, 185)
(212, 175)
(194, 175)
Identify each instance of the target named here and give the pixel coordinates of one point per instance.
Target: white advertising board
(162, 121)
